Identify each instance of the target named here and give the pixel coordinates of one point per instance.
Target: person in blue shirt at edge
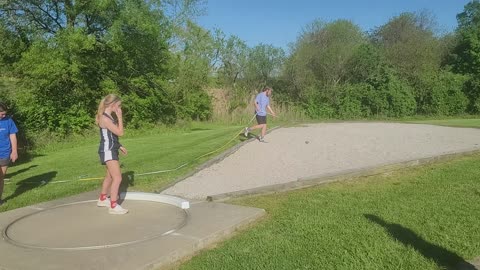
(262, 103)
(8, 144)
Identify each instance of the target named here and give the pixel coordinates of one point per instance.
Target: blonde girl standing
(110, 129)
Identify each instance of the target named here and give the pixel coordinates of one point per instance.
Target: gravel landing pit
(323, 149)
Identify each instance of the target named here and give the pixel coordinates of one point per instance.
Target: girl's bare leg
(113, 168)
(3, 172)
(107, 182)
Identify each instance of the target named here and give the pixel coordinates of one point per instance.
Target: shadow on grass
(25, 157)
(12, 174)
(242, 137)
(442, 257)
(200, 129)
(31, 183)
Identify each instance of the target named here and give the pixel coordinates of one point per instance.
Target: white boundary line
(135, 196)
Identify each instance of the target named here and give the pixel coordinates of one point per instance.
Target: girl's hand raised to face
(118, 111)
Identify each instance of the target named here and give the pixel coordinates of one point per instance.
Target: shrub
(355, 101)
(441, 93)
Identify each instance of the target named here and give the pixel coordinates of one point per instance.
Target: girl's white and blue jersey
(109, 143)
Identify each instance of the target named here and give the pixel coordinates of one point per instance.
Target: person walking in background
(262, 103)
(110, 129)
(8, 144)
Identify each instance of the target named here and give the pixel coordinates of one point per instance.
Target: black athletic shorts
(261, 119)
(108, 155)
(4, 162)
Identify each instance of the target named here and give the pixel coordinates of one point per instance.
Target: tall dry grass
(225, 110)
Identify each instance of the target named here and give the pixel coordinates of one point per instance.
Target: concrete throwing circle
(84, 226)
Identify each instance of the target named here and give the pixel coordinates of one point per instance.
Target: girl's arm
(105, 122)
(13, 141)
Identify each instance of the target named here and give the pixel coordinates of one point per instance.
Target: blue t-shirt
(263, 101)
(7, 127)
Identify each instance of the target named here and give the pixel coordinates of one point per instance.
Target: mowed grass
(472, 123)
(417, 218)
(39, 179)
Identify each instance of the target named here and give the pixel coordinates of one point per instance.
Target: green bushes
(355, 101)
(390, 98)
(472, 91)
(442, 94)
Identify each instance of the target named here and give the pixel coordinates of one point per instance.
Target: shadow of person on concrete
(12, 174)
(31, 183)
(442, 257)
(128, 180)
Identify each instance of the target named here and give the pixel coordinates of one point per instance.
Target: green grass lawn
(418, 218)
(473, 123)
(37, 180)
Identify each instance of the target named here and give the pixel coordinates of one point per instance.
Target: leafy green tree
(365, 62)
(55, 91)
(180, 13)
(13, 45)
(326, 49)
(194, 66)
(139, 62)
(467, 51)
(82, 50)
(320, 63)
(243, 70)
(448, 43)
(233, 60)
(466, 54)
(264, 64)
(412, 47)
(409, 43)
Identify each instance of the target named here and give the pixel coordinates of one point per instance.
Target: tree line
(59, 57)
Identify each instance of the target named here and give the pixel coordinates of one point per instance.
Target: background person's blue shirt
(7, 127)
(263, 101)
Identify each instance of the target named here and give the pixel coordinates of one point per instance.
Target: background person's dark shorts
(4, 162)
(108, 155)
(261, 119)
